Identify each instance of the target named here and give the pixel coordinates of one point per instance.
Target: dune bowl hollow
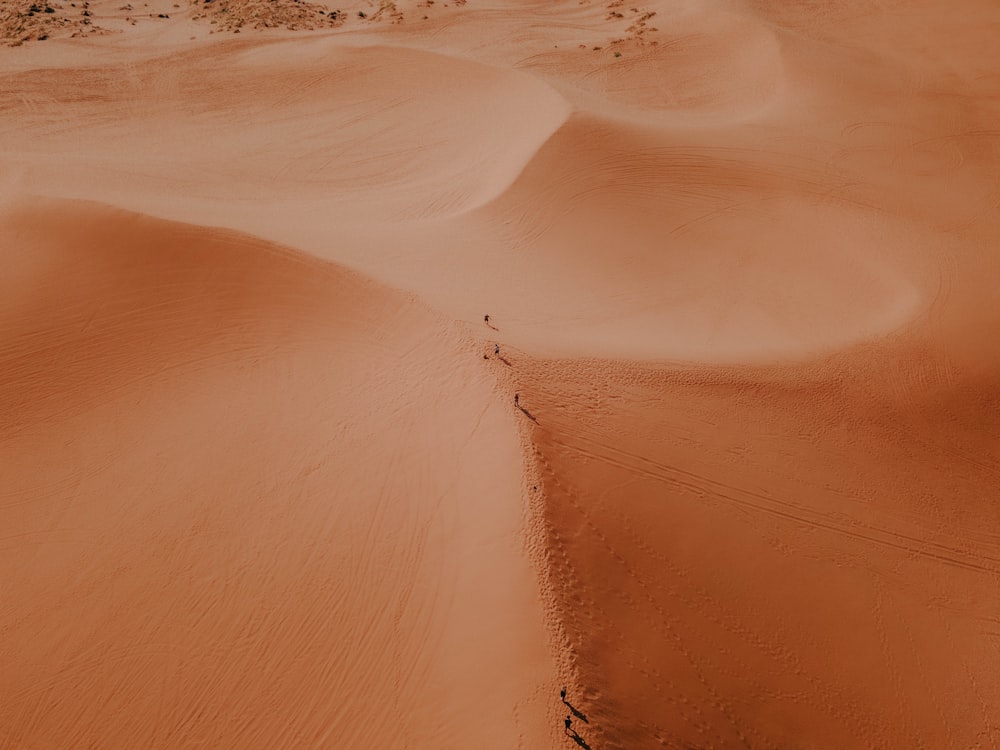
(500, 374)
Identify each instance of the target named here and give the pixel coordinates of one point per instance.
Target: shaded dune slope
(725, 583)
(776, 556)
(286, 510)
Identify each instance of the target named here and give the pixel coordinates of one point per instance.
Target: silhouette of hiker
(496, 349)
(486, 318)
(516, 399)
(569, 722)
(562, 693)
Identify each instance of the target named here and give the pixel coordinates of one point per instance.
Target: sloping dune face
(723, 460)
(356, 132)
(728, 583)
(783, 555)
(240, 545)
(705, 252)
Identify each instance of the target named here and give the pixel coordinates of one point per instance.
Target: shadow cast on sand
(575, 711)
(578, 739)
(528, 414)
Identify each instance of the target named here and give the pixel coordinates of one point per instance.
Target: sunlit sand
(263, 479)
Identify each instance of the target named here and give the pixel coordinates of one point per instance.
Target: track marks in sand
(238, 495)
(701, 624)
(706, 489)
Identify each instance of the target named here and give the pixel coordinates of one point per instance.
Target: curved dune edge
(235, 525)
(447, 140)
(730, 258)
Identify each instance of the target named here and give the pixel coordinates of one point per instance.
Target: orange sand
(260, 488)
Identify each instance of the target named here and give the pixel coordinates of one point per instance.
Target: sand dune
(262, 483)
(195, 566)
(729, 256)
(707, 66)
(447, 140)
(727, 584)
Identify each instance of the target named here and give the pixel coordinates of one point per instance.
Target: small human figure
(496, 350)
(517, 398)
(569, 722)
(562, 693)
(486, 318)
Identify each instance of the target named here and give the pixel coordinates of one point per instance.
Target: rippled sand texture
(262, 481)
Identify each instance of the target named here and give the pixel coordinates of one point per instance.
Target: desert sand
(263, 482)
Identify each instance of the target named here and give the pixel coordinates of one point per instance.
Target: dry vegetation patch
(36, 20)
(234, 15)
(638, 28)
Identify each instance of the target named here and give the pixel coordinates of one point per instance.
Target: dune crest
(369, 373)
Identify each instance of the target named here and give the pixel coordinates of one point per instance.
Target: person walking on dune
(517, 398)
(486, 318)
(569, 722)
(562, 693)
(496, 350)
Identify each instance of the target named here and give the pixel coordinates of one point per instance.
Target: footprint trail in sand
(262, 479)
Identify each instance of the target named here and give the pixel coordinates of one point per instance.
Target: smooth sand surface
(262, 481)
